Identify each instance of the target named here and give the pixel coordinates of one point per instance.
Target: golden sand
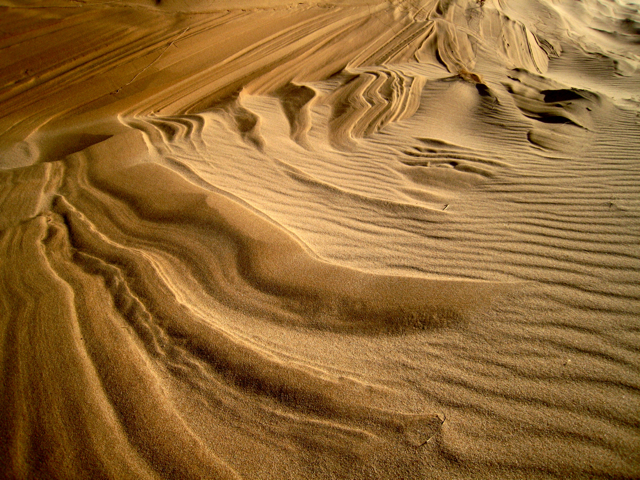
(355, 239)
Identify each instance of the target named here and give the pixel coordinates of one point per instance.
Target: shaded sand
(352, 239)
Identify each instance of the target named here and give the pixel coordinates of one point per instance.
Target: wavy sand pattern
(353, 239)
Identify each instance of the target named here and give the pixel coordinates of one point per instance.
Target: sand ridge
(343, 239)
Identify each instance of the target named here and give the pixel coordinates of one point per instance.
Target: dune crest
(298, 240)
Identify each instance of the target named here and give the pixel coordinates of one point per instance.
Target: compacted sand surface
(355, 239)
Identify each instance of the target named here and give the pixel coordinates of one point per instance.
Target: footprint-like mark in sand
(562, 115)
(296, 101)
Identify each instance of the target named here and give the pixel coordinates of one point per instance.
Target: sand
(354, 239)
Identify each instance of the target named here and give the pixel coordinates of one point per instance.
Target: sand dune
(350, 239)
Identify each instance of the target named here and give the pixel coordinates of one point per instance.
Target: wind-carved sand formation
(355, 239)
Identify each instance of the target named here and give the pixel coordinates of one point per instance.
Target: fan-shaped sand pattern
(253, 267)
(351, 240)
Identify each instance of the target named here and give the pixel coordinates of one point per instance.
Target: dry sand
(355, 239)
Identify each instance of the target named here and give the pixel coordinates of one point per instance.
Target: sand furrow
(355, 239)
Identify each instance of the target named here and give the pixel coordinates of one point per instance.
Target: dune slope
(352, 239)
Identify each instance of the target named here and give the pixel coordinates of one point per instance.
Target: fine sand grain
(356, 239)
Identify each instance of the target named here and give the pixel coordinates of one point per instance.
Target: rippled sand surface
(352, 239)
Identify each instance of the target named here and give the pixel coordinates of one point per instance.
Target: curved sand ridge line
(271, 261)
(196, 299)
(141, 61)
(113, 227)
(367, 101)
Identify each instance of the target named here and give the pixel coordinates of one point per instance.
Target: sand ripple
(349, 240)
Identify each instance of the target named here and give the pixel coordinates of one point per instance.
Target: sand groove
(352, 239)
(106, 275)
(368, 101)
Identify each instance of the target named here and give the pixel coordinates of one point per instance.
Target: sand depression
(351, 239)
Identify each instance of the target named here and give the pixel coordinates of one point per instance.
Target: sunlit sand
(289, 240)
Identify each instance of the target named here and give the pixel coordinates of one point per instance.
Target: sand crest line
(342, 240)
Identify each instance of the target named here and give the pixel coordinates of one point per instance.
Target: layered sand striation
(355, 239)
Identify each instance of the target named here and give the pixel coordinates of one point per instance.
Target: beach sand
(355, 239)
